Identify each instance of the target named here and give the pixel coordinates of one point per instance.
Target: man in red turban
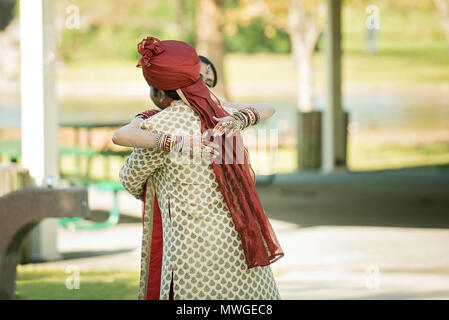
(198, 198)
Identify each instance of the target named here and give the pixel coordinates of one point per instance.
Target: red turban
(174, 65)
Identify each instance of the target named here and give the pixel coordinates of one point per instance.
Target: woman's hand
(225, 125)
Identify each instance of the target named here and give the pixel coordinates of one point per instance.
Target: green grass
(35, 282)
(404, 65)
(101, 71)
(412, 48)
(48, 283)
(364, 156)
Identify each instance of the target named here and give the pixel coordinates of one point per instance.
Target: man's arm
(140, 165)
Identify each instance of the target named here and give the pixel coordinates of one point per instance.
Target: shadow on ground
(102, 215)
(415, 197)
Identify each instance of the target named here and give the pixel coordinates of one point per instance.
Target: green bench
(79, 223)
(85, 178)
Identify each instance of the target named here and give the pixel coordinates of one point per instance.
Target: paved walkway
(343, 238)
(325, 262)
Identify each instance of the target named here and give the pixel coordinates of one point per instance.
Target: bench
(84, 177)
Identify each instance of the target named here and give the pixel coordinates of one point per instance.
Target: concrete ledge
(20, 212)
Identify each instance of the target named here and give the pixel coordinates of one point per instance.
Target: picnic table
(84, 177)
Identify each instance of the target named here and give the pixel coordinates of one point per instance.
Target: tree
(209, 37)
(178, 11)
(443, 8)
(6, 12)
(304, 22)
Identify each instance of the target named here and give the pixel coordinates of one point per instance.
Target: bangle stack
(241, 117)
(163, 142)
(249, 116)
(158, 144)
(167, 143)
(177, 143)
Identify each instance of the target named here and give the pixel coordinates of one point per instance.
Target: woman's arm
(266, 110)
(132, 136)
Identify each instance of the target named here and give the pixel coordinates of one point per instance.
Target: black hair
(207, 61)
(172, 94)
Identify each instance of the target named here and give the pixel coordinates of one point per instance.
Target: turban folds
(174, 65)
(168, 65)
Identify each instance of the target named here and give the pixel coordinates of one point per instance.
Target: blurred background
(394, 91)
(395, 82)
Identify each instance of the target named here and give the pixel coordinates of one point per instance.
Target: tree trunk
(6, 12)
(209, 38)
(304, 31)
(178, 9)
(303, 57)
(443, 8)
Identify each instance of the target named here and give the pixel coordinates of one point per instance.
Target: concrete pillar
(39, 123)
(334, 137)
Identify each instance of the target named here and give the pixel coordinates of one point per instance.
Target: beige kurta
(202, 251)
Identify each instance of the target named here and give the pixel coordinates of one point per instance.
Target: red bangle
(167, 143)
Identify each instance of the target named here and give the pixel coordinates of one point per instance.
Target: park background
(396, 94)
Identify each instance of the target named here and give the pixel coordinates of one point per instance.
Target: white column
(332, 129)
(39, 122)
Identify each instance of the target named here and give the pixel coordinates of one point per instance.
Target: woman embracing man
(205, 233)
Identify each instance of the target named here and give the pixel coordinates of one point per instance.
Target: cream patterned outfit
(201, 250)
